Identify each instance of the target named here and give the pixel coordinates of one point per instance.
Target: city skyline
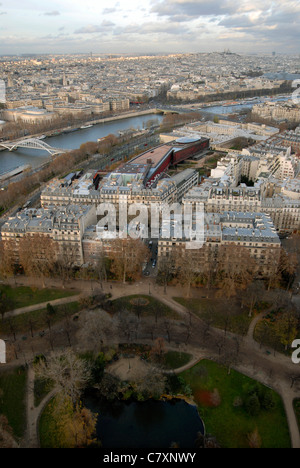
(155, 26)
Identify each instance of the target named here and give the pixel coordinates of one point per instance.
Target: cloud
(107, 11)
(276, 22)
(158, 25)
(190, 9)
(52, 13)
(105, 26)
(148, 29)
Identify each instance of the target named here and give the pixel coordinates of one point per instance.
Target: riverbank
(87, 123)
(71, 138)
(104, 120)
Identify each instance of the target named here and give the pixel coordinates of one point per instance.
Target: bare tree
(7, 258)
(187, 268)
(127, 256)
(69, 373)
(158, 349)
(67, 259)
(96, 329)
(254, 293)
(166, 270)
(220, 343)
(128, 324)
(294, 378)
(167, 327)
(152, 385)
(101, 268)
(236, 269)
(229, 359)
(288, 266)
(37, 256)
(286, 327)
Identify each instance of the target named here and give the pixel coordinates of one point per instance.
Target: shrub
(268, 402)
(252, 405)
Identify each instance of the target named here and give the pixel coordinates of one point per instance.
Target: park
(244, 389)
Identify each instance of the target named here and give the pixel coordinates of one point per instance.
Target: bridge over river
(32, 143)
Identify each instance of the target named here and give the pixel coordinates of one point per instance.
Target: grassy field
(12, 399)
(41, 389)
(24, 296)
(38, 319)
(226, 417)
(146, 306)
(221, 313)
(48, 430)
(175, 359)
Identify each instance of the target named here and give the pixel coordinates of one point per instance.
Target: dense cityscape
(149, 251)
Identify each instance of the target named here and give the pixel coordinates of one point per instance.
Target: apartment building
(290, 139)
(284, 212)
(65, 226)
(253, 231)
(80, 192)
(279, 200)
(126, 185)
(218, 199)
(287, 111)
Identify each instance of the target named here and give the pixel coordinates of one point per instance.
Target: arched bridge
(33, 143)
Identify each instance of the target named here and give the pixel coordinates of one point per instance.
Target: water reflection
(149, 424)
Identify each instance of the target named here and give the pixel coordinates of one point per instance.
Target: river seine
(9, 160)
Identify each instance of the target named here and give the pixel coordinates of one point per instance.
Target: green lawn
(175, 359)
(38, 319)
(229, 421)
(12, 399)
(170, 359)
(48, 430)
(221, 313)
(24, 296)
(149, 306)
(41, 389)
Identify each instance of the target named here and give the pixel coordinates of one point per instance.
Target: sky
(149, 26)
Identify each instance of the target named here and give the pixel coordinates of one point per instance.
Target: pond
(149, 424)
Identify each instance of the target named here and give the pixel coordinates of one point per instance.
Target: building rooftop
(43, 220)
